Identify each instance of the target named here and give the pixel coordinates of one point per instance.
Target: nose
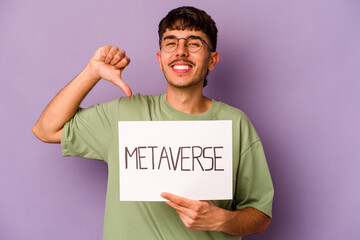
(182, 49)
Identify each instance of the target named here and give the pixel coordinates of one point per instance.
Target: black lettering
(207, 158)
(212, 166)
(217, 157)
(182, 158)
(162, 156)
(140, 157)
(196, 157)
(152, 156)
(130, 154)
(172, 159)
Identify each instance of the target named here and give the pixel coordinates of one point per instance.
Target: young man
(187, 52)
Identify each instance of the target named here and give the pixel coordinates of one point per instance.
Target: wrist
(225, 218)
(221, 219)
(91, 74)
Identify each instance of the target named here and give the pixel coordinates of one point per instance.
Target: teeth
(181, 67)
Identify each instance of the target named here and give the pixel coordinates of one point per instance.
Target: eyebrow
(173, 36)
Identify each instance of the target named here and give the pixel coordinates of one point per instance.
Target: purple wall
(294, 68)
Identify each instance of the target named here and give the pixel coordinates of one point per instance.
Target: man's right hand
(108, 63)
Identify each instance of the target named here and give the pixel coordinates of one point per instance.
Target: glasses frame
(177, 43)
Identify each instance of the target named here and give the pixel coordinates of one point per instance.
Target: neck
(187, 100)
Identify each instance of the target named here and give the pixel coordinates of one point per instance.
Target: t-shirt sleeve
(254, 184)
(89, 132)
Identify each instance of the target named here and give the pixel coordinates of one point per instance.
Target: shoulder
(228, 111)
(242, 126)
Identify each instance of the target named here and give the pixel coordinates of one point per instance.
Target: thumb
(126, 89)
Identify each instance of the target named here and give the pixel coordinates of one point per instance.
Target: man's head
(190, 18)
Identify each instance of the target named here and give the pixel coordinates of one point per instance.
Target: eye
(194, 43)
(170, 42)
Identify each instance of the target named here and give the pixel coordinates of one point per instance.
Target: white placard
(192, 159)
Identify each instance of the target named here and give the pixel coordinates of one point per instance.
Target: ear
(158, 57)
(214, 59)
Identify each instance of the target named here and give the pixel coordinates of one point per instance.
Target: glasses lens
(169, 44)
(194, 44)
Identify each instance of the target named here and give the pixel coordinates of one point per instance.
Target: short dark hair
(190, 18)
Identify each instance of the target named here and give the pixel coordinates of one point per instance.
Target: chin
(184, 85)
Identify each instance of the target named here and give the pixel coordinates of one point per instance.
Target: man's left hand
(195, 214)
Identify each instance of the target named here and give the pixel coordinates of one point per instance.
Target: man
(187, 52)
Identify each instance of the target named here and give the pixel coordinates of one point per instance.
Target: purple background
(292, 66)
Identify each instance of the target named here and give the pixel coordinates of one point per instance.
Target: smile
(181, 67)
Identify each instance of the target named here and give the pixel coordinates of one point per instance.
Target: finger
(181, 201)
(110, 55)
(192, 224)
(191, 214)
(123, 63)
(119, 55)
(101, 53)
(126, 89)
(174, 206)
(186, 220)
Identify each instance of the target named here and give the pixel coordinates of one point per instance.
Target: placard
(192, 159)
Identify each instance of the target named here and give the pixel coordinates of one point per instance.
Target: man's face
(184, 69)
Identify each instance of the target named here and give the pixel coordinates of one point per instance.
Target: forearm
(64, 106)
(243, 222)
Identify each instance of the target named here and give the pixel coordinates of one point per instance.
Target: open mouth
(181, 67)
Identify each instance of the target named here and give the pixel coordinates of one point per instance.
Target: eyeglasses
(193, 44)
